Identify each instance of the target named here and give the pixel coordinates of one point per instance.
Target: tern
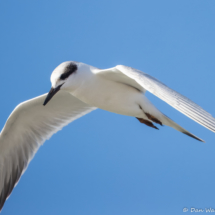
(78, 89)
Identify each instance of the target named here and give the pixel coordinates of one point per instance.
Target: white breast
(109, 95)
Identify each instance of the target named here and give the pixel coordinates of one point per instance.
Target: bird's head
(60, 78)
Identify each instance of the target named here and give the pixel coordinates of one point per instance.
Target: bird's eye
(68, 71)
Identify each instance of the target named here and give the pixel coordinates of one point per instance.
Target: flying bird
(78, 89)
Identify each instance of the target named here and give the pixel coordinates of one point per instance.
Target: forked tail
(167, 121)
(155, 116)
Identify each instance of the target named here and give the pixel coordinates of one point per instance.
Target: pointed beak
(51, 93)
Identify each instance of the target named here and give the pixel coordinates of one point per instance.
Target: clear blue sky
(104, 163)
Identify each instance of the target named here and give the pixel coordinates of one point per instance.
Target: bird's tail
(167, 121)
(153, 114)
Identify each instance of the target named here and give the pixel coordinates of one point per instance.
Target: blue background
(106, 163)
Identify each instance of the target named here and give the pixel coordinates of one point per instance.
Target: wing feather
(145, 82)
(26, 129)
(173, 98)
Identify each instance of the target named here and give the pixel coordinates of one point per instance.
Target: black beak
(51, 93)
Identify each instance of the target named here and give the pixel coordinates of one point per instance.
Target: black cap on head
(71, 68)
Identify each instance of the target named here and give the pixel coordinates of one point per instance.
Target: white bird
(80, 89)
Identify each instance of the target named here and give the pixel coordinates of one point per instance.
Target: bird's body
(106, 94)
(109, 95)
(77, 89)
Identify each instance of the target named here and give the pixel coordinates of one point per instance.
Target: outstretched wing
(143, 82)
(26, 129)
